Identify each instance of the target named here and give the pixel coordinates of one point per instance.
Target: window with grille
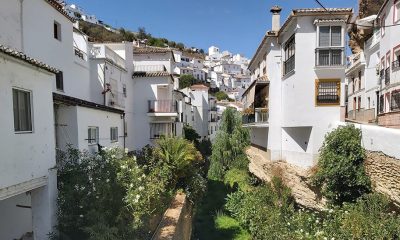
(381, 104)
(327, 92)
(93, 135)
(157, 130)
(395, 101)
(289, 63)
(22, 110)
(114, 134)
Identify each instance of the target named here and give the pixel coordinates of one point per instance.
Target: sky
(234, 25)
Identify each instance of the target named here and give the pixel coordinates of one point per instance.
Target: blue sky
(234, 25)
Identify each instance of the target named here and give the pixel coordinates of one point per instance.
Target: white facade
(27, 175)
(304, 96)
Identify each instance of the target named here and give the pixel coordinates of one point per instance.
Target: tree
(229, 146)
(190, 134)
(142, 33)
(186, 81)
(201, 51)
(221, 96)
(340, 169)
(180, 46)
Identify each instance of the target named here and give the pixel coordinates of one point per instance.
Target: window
(327, 92)
(93, 135)
(359, 103)
(382, 21)
(396, 16)
(124, 90)
(359, 80)
(22, 110)
(369, 102)
(60, 81)
(395, 101)
(381, 104)
(289, 48)
(57, 31)
(396, 57)
(330, 50)
(161, 129)
(114, 134)
(353, 82)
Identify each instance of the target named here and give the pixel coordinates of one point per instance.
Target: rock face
(384, 172)
(358, 37)
(294, 177)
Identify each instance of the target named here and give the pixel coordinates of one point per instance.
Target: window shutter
(324, 36)
(336, 36)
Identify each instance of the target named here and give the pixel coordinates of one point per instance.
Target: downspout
(21, 22)
(104, 83)
(123, 121)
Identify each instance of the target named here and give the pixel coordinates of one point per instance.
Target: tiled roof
(199, 86)
(329, 20)
(23, 57)
(59, 8)
(144, 50)
(150, 74)
(320, 10)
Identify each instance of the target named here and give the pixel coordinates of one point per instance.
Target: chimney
(276, 18)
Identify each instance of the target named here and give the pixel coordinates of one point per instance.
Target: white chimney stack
(276, 18)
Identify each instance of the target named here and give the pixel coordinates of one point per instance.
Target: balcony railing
(117, 99)
(396, 65)
(329, 56)
(79, 53)
(259, 116)
(149, 68)
(162, 106)
(102, 51)
(373, 40)
(387, 76)
(289, 65)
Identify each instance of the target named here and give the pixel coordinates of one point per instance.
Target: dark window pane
(324, 36)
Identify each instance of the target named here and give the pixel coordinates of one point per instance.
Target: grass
(208, 225)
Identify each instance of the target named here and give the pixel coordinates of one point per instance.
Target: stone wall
(389, 120)
(385, 174)
(176, 223)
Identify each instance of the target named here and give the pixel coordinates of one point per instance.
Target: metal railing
(289, 65)
(374, 39)
(117, 99)
(101, 51)
(149, 68)
(162, 106)
(79, 53)
(259, 116)
(329, 56)
(387, 76)
(396, 64)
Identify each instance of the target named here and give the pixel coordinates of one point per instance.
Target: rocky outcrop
(384, 172)
(294, 177)
(358, 37)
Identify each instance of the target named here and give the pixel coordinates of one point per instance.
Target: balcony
(259, 117)
(102, 51)
(329, 57)
(117, 99)
(213, 109)
(149, 68)
(162, 108)
(80, 54)
(213, 120)
(387, 76)
(376, 37)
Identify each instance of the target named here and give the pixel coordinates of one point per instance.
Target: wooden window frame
(318, 104)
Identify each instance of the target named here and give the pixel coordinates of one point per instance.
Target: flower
(81, 216)
(141, 188)
(131, 185)
(107, 180)
(126, 150)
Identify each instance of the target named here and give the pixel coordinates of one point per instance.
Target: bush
(186, 81)
(340, 169)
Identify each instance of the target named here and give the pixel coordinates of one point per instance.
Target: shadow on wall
(299, 135)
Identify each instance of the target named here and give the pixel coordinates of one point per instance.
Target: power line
(319, 3)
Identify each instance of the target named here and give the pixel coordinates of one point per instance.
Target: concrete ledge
(17, 189)
(176, 223)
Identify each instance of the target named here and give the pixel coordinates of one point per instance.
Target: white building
(153, 111)
(389, 98)
(78, 13)
(28, 185)
(304, 96)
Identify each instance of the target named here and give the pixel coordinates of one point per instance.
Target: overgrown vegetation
(186, 81)
(340, 169)
(268, 210)
(220, 95)
(111, 195)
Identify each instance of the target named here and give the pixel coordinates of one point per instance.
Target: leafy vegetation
(111, 195)
(228, 150)
(186, 81)
(222, 96)
(340, 169)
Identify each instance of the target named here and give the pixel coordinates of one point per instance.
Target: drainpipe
(104, 82)
(123, 121)
(21, 20)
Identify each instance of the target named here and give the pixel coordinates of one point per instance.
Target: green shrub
(340, 170)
